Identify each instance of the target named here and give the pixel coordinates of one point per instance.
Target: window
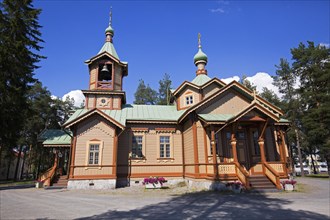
(189, 100)
(94, 151)
(137, 146)
(164, 147)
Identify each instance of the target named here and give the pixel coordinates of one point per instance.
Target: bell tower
(106, 73)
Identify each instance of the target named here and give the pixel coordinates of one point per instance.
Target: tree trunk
(8, 168)
(299, 153)
(17, 163)
(22, 170)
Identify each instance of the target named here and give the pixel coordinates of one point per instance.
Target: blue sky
(157, 37)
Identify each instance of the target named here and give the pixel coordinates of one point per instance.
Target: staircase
(261, 183)
(60, 182)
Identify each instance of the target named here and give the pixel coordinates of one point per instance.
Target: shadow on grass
(213, 205)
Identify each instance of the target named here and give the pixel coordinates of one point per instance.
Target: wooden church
(212, 132)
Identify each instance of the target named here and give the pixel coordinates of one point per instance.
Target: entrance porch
(247, 150)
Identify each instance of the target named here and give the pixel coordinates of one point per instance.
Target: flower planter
(288, 187)
(153, 186)
(39, 185)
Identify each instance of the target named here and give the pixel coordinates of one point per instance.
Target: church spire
(109, 32)
(200, 59)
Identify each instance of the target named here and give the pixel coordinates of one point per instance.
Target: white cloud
(77, 95)
(230, 79)
(53, 97)
(217, 10)
(260, 79)
(325, 45)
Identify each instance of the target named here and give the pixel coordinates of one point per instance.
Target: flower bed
(154, 182)
(235, 186)
(289, 185)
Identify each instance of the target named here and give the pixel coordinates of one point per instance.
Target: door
(242, 149)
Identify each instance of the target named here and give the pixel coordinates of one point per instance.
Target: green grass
(18, 183)
(320, 175)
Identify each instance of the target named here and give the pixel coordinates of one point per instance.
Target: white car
(323, 167)
(298, 171)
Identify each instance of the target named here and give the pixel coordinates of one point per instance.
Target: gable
(95, 127)
(211, 89)
(229, 102)
(188, 91)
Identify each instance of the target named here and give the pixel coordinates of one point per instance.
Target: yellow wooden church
(211, 133)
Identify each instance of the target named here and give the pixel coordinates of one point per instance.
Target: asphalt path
(310, 202)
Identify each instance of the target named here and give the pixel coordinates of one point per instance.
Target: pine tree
(247, 83)
(20, 42)
(164, 90)
(271, 97)
(312, 65)
(145, 95)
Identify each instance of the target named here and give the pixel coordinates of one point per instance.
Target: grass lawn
(17, 183)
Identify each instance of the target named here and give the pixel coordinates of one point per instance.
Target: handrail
(47, 176)
(242, 175)
(272, 175)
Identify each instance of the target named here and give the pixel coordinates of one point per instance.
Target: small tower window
(189, 100)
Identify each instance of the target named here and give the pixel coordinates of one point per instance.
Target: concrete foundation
(92, 184)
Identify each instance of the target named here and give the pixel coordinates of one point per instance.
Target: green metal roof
(216, 117)
(55, 137)
(201, 79)
(109, 29)
(108, 47)
(138, 113)
(284, 120)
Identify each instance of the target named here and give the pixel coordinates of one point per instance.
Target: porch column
(73, 153)
(214, 153)
(233, 143)
(261, 143)
(283, 153)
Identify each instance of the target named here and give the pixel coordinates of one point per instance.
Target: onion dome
(200, 56)
(109, 30)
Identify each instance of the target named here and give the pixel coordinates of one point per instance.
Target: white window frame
(170, 143)
(189, 99)
(131, 135)
(100, 152)
(139, 142)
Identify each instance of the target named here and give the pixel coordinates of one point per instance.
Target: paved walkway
(137, 203)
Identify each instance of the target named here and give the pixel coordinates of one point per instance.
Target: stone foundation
(205, 185)
(92, 184)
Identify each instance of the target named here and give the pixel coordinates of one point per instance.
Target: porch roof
(55, 138)
(216, 117)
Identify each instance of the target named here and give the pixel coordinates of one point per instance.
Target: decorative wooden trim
(73, 154)
(195, 144)
(86, 100)
(92, 166)
(165, 174)
(150, 165)
(136, 129)
(115, 151)
(183, 153)
(205, 148)
(165, 129)
(93, 177)
(214, 153)
(94, 105)
(178, 104)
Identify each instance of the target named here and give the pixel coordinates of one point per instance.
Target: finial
(110, 19)
(199, 40)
